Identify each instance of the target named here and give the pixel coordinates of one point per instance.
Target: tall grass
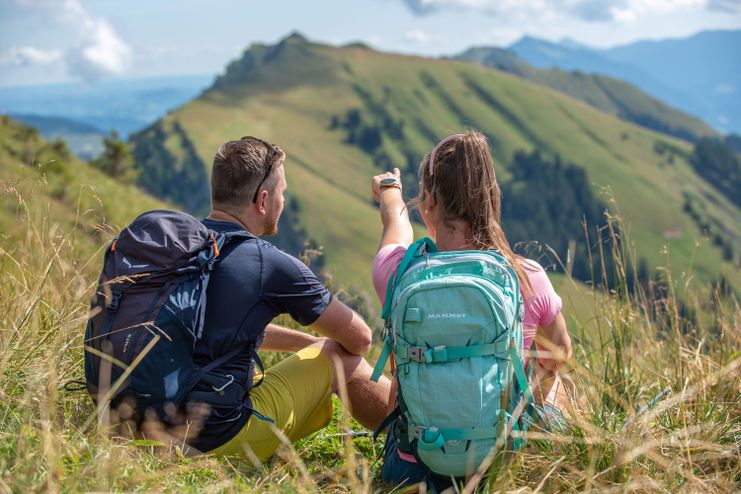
(660, 406)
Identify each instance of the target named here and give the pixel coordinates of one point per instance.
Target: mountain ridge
(353, 112)
(605, 93)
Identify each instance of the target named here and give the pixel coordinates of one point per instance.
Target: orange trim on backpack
(216, 248)
(113, 245)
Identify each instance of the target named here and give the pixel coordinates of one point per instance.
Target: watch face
(388, 181)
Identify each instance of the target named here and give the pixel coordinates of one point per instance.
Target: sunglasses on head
(268, 165)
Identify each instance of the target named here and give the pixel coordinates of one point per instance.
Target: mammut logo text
(126, 343)
(447, 315)
(132, 266)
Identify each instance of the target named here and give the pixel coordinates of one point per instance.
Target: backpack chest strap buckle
(417, 354)
(424, 355)
(442, 353)
(112, 305)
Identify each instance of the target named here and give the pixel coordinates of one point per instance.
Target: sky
(55, 41)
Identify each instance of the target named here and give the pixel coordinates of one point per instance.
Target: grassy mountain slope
(298, 94)
(605, 93)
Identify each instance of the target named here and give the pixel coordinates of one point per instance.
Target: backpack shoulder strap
(224, 238)
(414, 251)
(417, 249)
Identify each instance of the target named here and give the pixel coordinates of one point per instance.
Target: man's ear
(262, 201)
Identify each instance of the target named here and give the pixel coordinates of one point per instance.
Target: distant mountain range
(121, 105)
(662, 77)
(700, 75)
(84, 140)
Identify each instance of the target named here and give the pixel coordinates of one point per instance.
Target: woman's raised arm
(397, 229)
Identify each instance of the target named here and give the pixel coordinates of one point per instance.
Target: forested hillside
(345, 113)
(41, 179)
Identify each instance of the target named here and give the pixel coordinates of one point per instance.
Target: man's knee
(344, 364)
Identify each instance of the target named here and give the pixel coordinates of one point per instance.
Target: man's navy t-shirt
(252, 283)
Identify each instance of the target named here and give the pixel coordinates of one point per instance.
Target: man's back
(253, 282)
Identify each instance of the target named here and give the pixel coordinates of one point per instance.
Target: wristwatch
(389, 182)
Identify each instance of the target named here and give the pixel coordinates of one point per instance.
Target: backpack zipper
(453, 259)
(481, 279)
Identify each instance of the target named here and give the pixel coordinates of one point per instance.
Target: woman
(459, 201)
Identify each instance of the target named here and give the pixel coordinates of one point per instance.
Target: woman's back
(542, 303)
(460, 204)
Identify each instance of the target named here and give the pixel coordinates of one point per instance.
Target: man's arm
(281, 339)
(343, 325)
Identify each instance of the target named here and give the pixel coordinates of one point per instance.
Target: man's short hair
(238, 168)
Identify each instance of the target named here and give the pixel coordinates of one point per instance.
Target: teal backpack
(454, 325)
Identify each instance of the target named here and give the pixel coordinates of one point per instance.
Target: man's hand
(343, 325)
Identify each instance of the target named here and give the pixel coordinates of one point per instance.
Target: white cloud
(728, 6)
(101, 52)
(417, 36)
(488, 6)
(28, 55)
(586, 10)
(98, 51)
(643, 7)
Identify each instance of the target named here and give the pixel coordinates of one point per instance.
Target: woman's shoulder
(384, 264)
(538, 278)
(531, 265)
(533, 269)
(388, 257)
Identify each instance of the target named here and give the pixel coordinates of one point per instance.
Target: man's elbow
(362, 342)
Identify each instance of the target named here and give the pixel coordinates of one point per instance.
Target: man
(253, 283)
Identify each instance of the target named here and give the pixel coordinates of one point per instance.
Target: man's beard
(272, 227)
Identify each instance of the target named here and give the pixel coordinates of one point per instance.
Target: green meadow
(660, 392)
(631, 346)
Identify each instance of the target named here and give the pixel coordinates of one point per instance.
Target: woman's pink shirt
(541, 307)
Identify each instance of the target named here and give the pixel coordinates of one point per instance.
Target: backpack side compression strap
(382, 359)
(520, 372)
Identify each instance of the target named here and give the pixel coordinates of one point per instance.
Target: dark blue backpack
(148, 313)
